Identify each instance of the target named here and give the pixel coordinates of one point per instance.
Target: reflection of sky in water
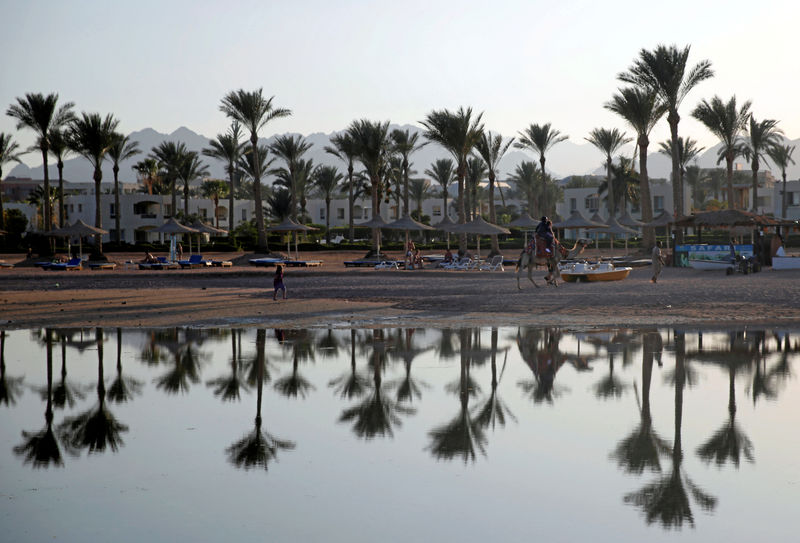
(560, 450)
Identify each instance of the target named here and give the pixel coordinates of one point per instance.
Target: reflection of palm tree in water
(462, 436)
(64, 393)
(41, 448)
(544, 362)
(350, 385)
(609, 386)
(257, 448)
(493, 411)
(641, 449)
(185, 370)
(123, 387)
(666, 500)
(96, 428)
(10, 387)
(408, 388)
(295, 385)
(377, 414)
(228, 387)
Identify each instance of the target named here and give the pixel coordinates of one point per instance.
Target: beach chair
(73, 264)
(195, 261)
(496, 263)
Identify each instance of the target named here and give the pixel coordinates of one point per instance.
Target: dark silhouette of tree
(228, 387)
(350, 385)
(65, 393)
(10, 387)
(408, 388)
(185, 369)
(539, 349)
(493, 411)
(123, 387)
(610, 386)
(300, 343)
(257, 448)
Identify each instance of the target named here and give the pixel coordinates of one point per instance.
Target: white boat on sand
(601, 271)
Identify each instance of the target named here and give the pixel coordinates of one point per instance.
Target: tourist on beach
(149, 258)
(448, 256)
(180, 251)
(658, 262)
(277, 282)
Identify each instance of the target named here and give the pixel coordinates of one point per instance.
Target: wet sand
(364, 297)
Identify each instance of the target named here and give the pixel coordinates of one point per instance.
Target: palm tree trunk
(3, 221)
(649, 232)
(173, 190)
(116, 204)
(60, 195)
(406, 212)
(612, 203)
(755, 185)
(677, 191)
(48, 217)
(260, 229)
(783, 197)
(231, 200)
(350, 202)
(98, 217)
(462, 238)
(186, 200)
(493, 213)
(729, 171)
(376, 232)
(293, 192)
(328, 220)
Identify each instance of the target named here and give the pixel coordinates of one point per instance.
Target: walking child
(277, 282)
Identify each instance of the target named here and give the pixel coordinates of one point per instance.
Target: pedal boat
(601, 271)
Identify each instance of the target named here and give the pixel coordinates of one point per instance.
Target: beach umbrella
(614, 228)
(596, 218)
(524, 222)
(407, 224)
(443, 226)
(376, 223)
(662, 221)
(204, 228)
(576, 221)
(479, 227)
(288, 225)
(79, 229)
(626, 220)
(173, 228)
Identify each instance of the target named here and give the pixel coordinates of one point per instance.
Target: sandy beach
(364, 297)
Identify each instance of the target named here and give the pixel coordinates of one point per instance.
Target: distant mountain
(567, 158)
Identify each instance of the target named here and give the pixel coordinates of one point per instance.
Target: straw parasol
(376, 223)
(288, 225)
(443, 226)
(662, 221)
(79, 229)
(613, 228)
(479, 227)
(524, 222)
(173, 228)
(407, 223)
(204, 228)
(626, 220)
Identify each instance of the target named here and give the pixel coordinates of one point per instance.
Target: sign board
(711, 253)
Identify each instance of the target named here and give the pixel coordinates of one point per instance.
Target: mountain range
(567, 158)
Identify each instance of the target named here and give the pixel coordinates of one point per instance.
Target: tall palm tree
(442, 172)
(526, 178)
(91, 136)
(727, 122)
(458, 132)
(420, 190)
(190, 168)
(59, 149)
(253, 111)
(406, 144)
(641, 109)
(608, 142)
(664, 71)
(761, 137)
(214, 190)
(41, 113)
(252, 166)
(343, 146)
(491, 148)
(781, 155)
(687, 152)
(291, 149)
(476, 172)
(170, 155)
(9, 152)
(147, 171)
(121, 149)
(540, 139)
(328, 180)
(228, 148)
(373, 146)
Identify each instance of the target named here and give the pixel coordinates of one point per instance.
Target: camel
(529, 260)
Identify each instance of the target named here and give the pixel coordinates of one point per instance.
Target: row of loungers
(76, 264)
(267, 262)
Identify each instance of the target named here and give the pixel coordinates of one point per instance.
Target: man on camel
(544, 230)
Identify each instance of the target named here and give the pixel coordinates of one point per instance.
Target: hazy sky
(165, 64)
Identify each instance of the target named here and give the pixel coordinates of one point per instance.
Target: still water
(399, 435)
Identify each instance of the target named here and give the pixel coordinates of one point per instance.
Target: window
(592, 203)
(340, 213)
(322, 213)
(167, 210)
(573, 204)
(244, 215)
(793, 198)
(437, 211)
(658, 204)
(203, 212)
(80, 208)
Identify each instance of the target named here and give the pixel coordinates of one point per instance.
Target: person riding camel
(545, 231)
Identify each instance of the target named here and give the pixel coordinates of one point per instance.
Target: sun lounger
(361, 263)
(265, 261)
(162, 264)
(195, 261)
(222, 263)
(388, 265)
(495, 264)
(302, 263)
(102, 265)
(73, 264)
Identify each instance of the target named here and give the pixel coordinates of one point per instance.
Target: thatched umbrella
(376, 223)
(662, 221)
(79, 229)
(444, 226)
(173, 228)
(626, 220)
(614, 228)
(524, 222)
(204, 228)
(576, 221)
(479, 227)
(288, 225)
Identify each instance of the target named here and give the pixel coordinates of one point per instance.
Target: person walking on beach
(658, 262)
(277, 282)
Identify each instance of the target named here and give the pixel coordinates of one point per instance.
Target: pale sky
(165, 64)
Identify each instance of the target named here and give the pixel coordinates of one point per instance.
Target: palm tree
(343, 146)
(215, 189)
(59, 149)
(458, 132)
(608, 142)
(727, 122)
(123, 387)
(526, 177)
(687, 152)
(170, 155)
(121, 149)
(442, 172)
(147, 171)
(540, 139)
(291, 149)
(781, 155)
(494, 410)
(228, 387)
(190, 168)
(641, 109)
(420, 190)
(491, 149)
(253, 111)
(91, 136)
(40, 113)
(252, 166)
(328, 180)
(37, 198)
(476, 171)
(8, 153)
(406, 144)
(350, 384)
(664, 72)
(279, 202)
(373, 146)
(228, 149)
(65, 394)
(762, 136)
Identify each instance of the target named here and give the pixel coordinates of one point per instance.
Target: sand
(333, 295)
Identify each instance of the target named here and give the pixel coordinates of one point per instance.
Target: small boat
(786, 262)
(708, 264)
(600, 271)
